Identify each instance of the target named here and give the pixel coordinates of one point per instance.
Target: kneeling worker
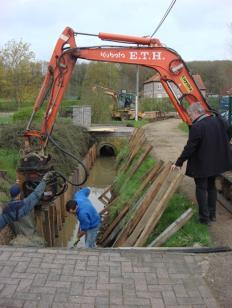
(17, 207)
(87, 215)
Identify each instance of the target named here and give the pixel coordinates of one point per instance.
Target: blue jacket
(16, 209)
(86, 212)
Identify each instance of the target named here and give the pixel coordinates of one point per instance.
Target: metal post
(137, 94)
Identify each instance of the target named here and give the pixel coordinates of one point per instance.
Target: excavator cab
(126, 100)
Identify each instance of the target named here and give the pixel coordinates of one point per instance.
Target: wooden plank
(56, 226)
(39, 217)
(224, 202)
(47, 227)
(133, 205)
(156, 192)
(136, 141)
(103, 211)
(114, 223)
(103, 198)
(52, 221)
(135, 151)
(135, 131)
(62, 207)
(58, 213)
(157, 207)
(172, 229)
(140, 160)
(140, 210)
(112, 235)
(151, 175)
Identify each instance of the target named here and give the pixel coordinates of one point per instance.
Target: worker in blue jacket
(17, 207)
(87, 215)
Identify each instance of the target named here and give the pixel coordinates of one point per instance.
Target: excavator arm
(145, 51)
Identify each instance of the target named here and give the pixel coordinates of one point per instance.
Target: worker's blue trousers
(90, 237)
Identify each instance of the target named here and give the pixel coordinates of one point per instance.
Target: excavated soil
(168, 141)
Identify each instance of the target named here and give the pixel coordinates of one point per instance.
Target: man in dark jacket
(87, 215)
(208, 154)
(18, 208)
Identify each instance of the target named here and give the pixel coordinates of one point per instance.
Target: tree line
(21, 76)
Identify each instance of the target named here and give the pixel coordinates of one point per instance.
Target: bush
(24, 114)
(156, 104)
(66, 107)
(7, 105)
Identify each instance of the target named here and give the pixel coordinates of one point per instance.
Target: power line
(164, 17)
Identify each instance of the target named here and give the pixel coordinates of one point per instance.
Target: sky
(197, 30)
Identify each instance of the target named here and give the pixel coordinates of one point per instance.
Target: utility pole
(137, 94)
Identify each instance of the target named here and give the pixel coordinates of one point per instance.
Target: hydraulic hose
(73, 157)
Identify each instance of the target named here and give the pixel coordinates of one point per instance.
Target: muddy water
(101, 176)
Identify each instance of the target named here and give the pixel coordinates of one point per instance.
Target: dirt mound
(71, 138)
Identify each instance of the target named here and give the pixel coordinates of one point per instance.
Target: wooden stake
(172, 229)
(47, 226)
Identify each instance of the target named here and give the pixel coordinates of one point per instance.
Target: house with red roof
(153, 88)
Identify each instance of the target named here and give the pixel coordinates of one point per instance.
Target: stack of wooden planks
(140, 215)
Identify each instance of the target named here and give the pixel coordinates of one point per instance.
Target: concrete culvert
(107, 150)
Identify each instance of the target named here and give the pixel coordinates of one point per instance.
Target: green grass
(8, 162)
(133, 123)
(139, 123)
(126, 186)
(184, 127)
(191, 233)
(5, 119)
(122, 155)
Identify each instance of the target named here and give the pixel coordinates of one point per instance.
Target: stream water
(100, 177)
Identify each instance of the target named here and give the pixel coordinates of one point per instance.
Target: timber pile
(140, 215)
(51, 217)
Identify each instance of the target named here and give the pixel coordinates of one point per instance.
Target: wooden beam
(155, 192)
(157, 207)
(132, 155)
(47, 226)
(103, 198)
(172, 229)
(140, 160)
(114, 223)
(142, 207)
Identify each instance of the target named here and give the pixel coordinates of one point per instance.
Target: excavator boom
(149, 52)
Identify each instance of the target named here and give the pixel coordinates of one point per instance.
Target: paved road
(102, 278)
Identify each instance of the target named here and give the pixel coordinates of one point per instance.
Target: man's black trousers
(206, 195)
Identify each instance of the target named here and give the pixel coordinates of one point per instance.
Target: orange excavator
(145, 51)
